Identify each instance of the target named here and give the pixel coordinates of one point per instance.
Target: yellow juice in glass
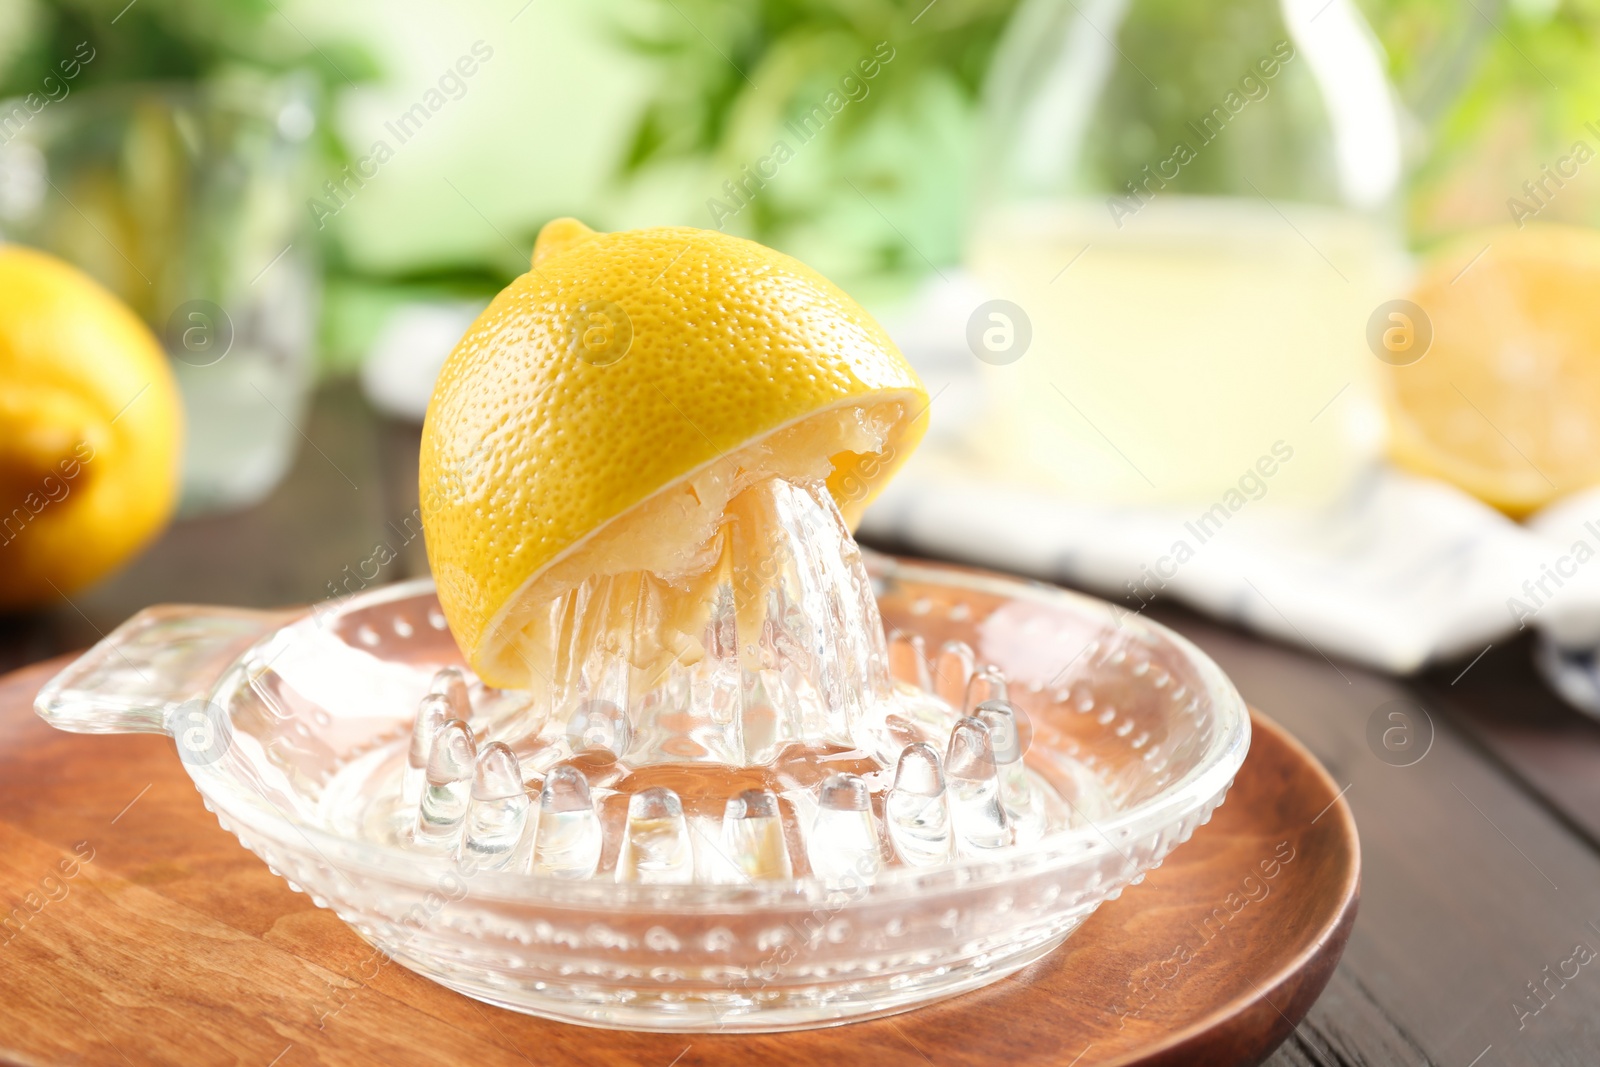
(1170, 354)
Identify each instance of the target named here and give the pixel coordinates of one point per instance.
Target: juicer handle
(135, 678)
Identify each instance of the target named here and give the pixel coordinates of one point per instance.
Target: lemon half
(1506, 402)
(598, 417)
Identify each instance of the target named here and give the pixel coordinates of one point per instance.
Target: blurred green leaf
(180, 40)
(731, 78)
(1501, 89)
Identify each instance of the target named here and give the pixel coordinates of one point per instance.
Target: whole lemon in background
(1506, 401)
(90, 430)
(599, 415)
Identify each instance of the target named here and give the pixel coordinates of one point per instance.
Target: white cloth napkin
(1403, 572)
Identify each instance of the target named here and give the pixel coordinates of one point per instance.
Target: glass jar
(1190, 207)
(187, 202)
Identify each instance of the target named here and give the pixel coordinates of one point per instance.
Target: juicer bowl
(280, 719)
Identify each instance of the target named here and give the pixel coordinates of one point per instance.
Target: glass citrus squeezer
(804, 786)
(963, 820)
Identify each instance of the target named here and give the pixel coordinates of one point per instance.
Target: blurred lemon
(602, 412)
(1506, 401)
(90, 426)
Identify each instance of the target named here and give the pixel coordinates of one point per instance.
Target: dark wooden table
(1481, 859)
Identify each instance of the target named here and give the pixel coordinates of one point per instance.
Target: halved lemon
(1506, 402)
(603, 411)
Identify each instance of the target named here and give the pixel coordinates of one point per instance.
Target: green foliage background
(881, 198)
(1494, 89)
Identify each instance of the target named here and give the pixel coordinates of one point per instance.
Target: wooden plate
(139, 931)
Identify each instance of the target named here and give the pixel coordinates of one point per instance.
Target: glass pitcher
(1192, 205)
